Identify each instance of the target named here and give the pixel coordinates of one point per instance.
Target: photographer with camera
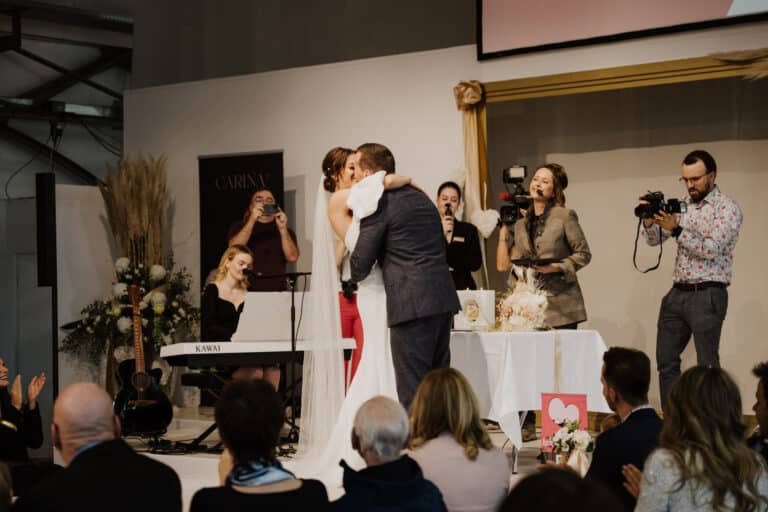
(706, 230)
(463, 244)
(548, 230)
(264, 230)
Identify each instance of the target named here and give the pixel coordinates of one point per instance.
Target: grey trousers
(419, 346)
(683, 313)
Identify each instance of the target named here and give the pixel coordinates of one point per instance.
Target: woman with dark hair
(452, 446)
(20, 424)
(463, 244)
(249, 415)
(703, 462)
(339, 173)
(550, 231)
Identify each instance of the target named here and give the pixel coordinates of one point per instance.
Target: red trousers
(351, 327)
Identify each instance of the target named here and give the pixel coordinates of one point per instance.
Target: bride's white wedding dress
(375, 374)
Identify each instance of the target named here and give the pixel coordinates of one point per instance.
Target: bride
(327, 416)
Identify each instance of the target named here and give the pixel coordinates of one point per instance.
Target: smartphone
(270, 209)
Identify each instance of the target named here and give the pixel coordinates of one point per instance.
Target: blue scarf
(258, 472)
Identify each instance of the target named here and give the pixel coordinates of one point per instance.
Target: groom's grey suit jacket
(406, 237)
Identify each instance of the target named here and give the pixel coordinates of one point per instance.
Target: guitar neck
(138, 343)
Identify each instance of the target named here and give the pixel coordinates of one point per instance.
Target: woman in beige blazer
(549, 230)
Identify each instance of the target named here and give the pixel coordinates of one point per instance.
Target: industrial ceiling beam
(108, 59)
(67, 72)
(63, 15)
(34, 146)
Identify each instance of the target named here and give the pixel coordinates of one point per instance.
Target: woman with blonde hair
(452, 446)
(223, 301)
(703, 462)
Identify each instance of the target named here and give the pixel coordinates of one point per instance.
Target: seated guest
(626, 377)
(102, 472)
(390, 481)
(249, 415)
(450, 443)
(759, 439)
(463, 249)
(21, 427)
(703, 462)
(555, 490)
(20, 423)
(221, 305)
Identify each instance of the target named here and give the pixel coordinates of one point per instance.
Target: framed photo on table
(478, 310)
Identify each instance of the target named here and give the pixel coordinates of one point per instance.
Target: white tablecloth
(510, 370)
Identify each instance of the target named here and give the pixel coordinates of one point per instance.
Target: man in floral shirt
(706, 236)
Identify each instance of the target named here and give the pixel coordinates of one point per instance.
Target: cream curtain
(470, 100)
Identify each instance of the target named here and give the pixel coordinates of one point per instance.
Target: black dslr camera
(516, 196)
(656, 203)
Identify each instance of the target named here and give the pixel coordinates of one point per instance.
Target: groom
(405, 236)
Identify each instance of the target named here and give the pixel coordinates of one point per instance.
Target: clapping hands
(34, 389)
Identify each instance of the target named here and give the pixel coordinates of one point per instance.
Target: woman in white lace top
(703, 462)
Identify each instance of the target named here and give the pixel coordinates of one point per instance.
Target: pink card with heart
(559, 408)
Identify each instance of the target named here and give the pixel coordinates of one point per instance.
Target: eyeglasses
(692, 181)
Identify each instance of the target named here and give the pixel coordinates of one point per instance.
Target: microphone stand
(291, 278)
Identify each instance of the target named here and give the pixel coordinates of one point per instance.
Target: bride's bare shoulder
(338, 200)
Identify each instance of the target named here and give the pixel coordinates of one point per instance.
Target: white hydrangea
(122, 264)
(158, 298)
(157, 272)
(120, 290)
(124, 324)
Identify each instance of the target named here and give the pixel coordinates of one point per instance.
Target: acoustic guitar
(142, 407)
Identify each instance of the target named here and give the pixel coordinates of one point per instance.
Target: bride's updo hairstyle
(333, 164)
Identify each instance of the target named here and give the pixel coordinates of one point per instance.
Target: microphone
(539, 192)
(448, 212)
(248, 272)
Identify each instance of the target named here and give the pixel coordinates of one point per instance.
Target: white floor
(197, 470)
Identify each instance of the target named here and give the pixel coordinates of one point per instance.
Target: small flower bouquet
(165, 312)
(524, 308)
(571, 445)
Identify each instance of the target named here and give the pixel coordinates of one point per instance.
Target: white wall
(403, 101)
(623, 304)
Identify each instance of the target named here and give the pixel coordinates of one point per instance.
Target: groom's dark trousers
(419, 346)
(406, 237)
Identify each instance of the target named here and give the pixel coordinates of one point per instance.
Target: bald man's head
(82, 415)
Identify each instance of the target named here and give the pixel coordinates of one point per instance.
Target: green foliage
(167, 314)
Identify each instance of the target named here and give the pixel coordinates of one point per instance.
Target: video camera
(516, 196)
(656, 203)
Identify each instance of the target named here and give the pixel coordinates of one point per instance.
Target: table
(509, 370)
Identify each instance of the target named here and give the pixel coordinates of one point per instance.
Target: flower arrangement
(524, 308)
(165, 312)
(570, 438)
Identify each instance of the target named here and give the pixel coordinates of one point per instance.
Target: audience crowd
(440, 458)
